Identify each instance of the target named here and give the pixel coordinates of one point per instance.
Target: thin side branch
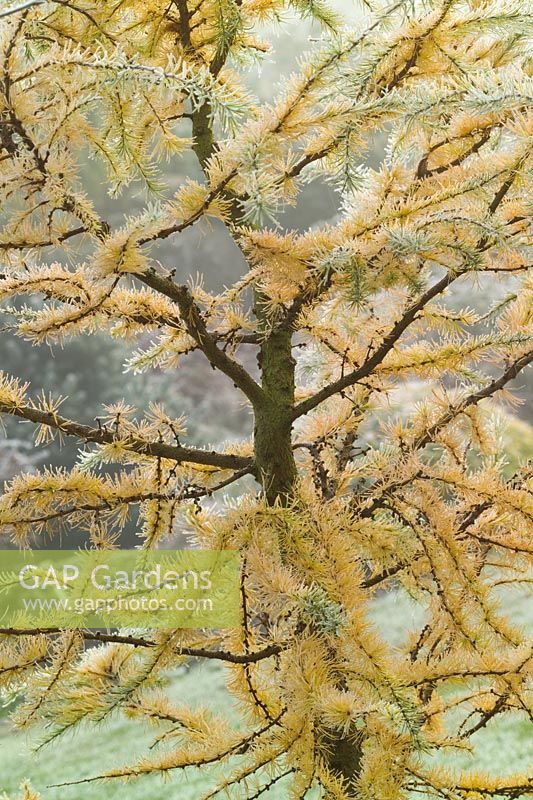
(368, 367)
(101, 436)
(139, 641)
(472, 399)
(22, 7)
(197, 329)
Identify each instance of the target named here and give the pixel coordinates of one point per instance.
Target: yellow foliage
(379, 457)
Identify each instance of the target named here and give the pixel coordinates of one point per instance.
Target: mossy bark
(276, 471)
(204, 141)
(274, 457)
(344, 757)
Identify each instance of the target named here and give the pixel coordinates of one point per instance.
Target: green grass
(91, 751)
(502, 748)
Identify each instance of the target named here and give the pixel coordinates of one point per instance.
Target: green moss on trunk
(204, 142)
(276, 471)
(274, 456)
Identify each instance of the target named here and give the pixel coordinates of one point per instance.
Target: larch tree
(349, 499)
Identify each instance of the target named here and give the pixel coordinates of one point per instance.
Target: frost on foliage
(402, 471)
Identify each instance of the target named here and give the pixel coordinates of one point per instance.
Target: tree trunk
(204, 141)
(344, 757)
(276, 471)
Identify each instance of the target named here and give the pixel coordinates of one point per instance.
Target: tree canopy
(339, 497)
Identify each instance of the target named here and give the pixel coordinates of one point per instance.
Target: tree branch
(472, 399)
(139, 641)
(164, 233)
(383, 350)
(133, 443)
(375, 580)
(45, 243)
(408, 318)
(197, 329)
(22, 7)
